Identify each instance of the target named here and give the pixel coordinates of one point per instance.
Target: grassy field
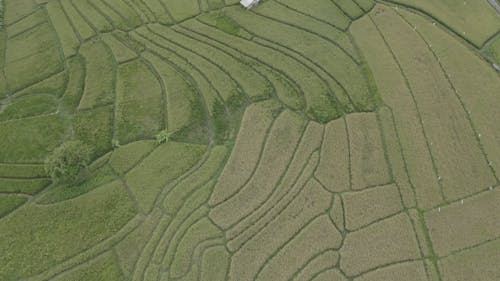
(475, 21)
(353, 140)
(493, 50)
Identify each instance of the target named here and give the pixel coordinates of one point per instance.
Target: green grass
(174, 201)
(186, 248)
(311, 85)
(182, 9)
(366, 5)
(32, 57)
(253, 83)
(83, 29)
(67, 37)
(100, 74)
(139, 103)
(63, 191)
(54, 85)
(324, 10)
(9, 203)
(222, 22)
(396, 95)
(22, 171)
(15, 10)
(103, 267)
(350, 8)
(30, 42)
(1, 15)
(126, 12)
(27, 186)
(192, 211)
(129, 250)
(30, 140)
(208, 65)
(279, 12)
(226, 24)
(126, 157)
(494, 50)
(167, 162)
(444, 117)
(325, 55)
(98, 20)
(115, 20)
(215, 4)
(3, 82)
(94, 128)
(158, 10)
(476, 21)
(478, 112)
(75, 86)
(203, 85)
(214, 264)
(120, 51)
(67, 229)
(29, 106)
(186, 117)
(268, 172)
(26, 23)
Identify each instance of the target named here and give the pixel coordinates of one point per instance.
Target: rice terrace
(271, 140)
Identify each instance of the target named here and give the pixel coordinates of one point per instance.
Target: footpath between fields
(495, 5)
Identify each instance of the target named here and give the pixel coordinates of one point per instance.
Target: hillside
(302, 140)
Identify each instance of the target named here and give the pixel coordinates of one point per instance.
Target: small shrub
(68, 162)
(162, 136)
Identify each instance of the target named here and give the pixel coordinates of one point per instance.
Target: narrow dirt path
(495, 5)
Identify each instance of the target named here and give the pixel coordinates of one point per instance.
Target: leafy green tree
(68, 162)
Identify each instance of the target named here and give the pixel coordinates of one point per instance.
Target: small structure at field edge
(248, 4)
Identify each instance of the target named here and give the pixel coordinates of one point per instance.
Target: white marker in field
(248, 4)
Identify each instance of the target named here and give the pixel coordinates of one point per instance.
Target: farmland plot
(398, 97)
(493, 50)
(388, 56)
(299, 140)
(476, 21)
(451, 137)
(139, 102)
(324, 54)
(479, 111)
(334, 170)
(32, 56)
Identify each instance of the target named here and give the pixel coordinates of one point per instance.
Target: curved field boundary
(224, 41)
(441, 22)
(460, 99)
(494, 4)
(87, 255)
(185, 46)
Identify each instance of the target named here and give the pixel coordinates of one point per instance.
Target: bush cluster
(68, 163)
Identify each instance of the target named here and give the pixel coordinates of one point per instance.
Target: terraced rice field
(308, 140)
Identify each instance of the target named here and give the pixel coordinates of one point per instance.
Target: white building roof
(249, 3)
